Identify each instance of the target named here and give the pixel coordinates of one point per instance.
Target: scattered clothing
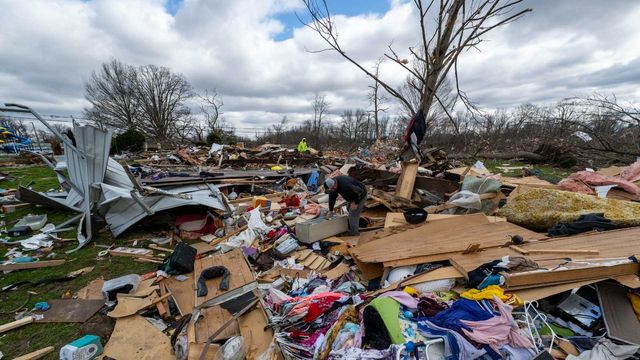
(498, 330)
(489, 292)
(605, 349)
(210, 273)
(584, 223)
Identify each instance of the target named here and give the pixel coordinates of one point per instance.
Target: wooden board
(31, 265)
(446, 272)
(237, 265)
(537, 293)
(36, 354)
(429, 225)
(135, 338)
(93, 290)
(541, 278)
(631, 281)
(441, 239)
(182, 292)
(256, 332)
(70, 310)
(407, 179)
(610, 244)
(128, 305)
(202, 247)
(337, 271)
(214, 317)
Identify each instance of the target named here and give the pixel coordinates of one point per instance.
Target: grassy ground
(36, 336)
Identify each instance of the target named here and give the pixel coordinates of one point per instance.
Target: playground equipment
(10, 141)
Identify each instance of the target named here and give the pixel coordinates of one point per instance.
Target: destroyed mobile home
(449, 263)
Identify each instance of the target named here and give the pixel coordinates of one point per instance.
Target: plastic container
(86, 348)
(124, 284)
(35, 222)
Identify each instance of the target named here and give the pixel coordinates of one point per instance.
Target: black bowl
(415, 216)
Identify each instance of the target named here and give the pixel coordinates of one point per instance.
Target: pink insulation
(582, 181)
(631, 172)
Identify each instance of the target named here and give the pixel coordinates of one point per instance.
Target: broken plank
(407, 179)
(31, 265)
(16, 324)
(540, 278)
(36, 354)
(135, 338)
(182, 292)
(256, 332)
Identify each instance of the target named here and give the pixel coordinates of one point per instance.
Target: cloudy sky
(253, 52)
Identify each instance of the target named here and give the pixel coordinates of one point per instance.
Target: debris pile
(256, 262)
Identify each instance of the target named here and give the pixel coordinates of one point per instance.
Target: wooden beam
(16, 324)
(407, 180)
(36, 354)
(31, 265)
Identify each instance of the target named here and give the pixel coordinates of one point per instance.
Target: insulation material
(631, 172)
(584, 181)
(541, 209)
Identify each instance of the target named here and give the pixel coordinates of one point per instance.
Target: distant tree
(162, 97)
(111, 92)
(320, 109)
(377, 99)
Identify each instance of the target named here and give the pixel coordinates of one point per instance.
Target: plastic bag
(466, 199)
(233, 349)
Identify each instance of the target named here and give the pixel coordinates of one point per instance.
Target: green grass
(36, 336)
(547, 172)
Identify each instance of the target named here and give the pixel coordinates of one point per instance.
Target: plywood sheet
(632, 280)
(429, 225)
(214, 317)
(617, 312)
(610, 244)
(537, 293)
(135, 338)
(183, 293)
(447, 272)
(440, 240)
(235, 262)
(255, 331)
(407, 180)
(71, 310)
(93, 290)
(129, 305)
(202, 247)
(337, 271)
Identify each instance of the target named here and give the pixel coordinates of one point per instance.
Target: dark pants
(354, 217)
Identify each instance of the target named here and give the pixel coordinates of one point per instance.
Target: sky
(254, 53)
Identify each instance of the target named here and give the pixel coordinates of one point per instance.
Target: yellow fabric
(277, 167)
(488, 293)
(302, 146)
(411, 291)
(635, 303)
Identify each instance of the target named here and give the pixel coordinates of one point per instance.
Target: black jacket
(349, 188)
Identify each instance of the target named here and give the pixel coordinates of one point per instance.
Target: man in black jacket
(352, 191)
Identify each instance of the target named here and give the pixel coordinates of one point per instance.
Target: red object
(291, 201)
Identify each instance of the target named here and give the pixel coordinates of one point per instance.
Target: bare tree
(162, 96)
(320, 108)
(377, 99)
(279, 129)
(459, 25)
(111, 92)
(211, 107)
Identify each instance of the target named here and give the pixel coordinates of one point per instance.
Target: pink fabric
(631, 172)
(312, 209)
(579, 181)
(403, 298)
(497, 331)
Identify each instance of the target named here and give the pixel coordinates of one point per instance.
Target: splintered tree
(377, 100)
(447, 28)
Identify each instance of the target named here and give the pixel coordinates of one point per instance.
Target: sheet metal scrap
(97, 184)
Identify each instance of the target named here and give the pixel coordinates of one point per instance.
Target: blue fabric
(462, 309)
(490, 280)
(455, 345)
(312, 181)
